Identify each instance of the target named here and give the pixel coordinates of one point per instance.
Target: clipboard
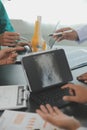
(13, 97)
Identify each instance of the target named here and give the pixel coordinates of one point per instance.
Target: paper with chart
(15, 120)
(11, 97)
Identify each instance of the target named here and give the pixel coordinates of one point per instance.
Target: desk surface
(13, 74)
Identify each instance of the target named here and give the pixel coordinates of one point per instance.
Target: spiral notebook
(13, 97)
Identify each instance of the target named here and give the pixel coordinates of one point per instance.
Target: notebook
(46, 72)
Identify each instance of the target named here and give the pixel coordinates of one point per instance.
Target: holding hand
(66, 35)
(56, 117)
(78, 93)
(83, 78)
(8, 55)
(9, 38)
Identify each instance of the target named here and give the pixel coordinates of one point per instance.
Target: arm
(68, 36)
(8, 55)
(8, 36)
(76, 92)
(58, 118)
(79, 34)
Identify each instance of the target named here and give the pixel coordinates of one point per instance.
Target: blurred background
(23, 14)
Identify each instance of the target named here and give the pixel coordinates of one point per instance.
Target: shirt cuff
(82, 33)
(82, 128)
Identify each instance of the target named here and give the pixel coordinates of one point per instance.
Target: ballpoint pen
(23, 38)
(59, 34)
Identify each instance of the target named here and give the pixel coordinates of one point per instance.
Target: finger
(82, 77)
(57, 110)
(14, 55)
(71, 92)
(9, 50)
(18, 48)
(43, 109)
(60, 39)
(85, 81)
(71, 86)
(21, 44)
(11, 33)
(11, 60)
(42, 114)
(10, 44)
(11, 38)
(69, 98)
(50, 109)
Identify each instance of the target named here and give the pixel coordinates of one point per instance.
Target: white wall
(26, 29)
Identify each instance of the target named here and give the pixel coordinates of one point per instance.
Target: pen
(23, 38)
(59, 34)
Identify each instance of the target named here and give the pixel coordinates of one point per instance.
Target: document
(77, 58)
(15, 120)
(13, 97)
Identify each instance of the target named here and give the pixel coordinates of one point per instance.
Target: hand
(78, 93)
(8, 55)
(23, 44)
(56, 117)
(82, 78)
(9, 38)
(68, 36)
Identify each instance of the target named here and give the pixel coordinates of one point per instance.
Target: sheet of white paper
(14, 120)
(77, 57)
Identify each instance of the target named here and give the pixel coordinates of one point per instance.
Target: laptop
(46, 72)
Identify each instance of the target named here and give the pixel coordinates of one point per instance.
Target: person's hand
(8, 55)
(78, 93)
(82, 78)
(9, 38)
(56, 117)
(66, 36)
(23, 44)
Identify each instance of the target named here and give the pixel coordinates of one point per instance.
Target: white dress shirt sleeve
(82, 33)
(82, 128)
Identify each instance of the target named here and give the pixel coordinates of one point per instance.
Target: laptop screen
(46, 69)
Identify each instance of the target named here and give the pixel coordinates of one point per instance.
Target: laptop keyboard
(53, 97)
